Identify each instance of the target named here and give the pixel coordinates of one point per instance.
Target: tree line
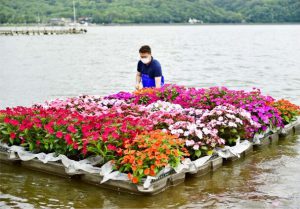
(152, 11)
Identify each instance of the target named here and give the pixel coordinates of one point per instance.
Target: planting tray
(158, 185)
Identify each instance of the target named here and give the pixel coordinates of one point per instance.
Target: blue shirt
(153, 69)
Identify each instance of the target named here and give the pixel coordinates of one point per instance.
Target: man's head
(145, 54)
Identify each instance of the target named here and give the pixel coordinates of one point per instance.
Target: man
(148, 70)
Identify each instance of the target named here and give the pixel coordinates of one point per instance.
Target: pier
(42, 32)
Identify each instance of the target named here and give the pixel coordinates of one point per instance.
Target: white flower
(186, 133)
(205, 131)
(199, 134)
(219, 112)
(229, 115)
(198, 112)
(189, 143)
(180, 131)
(174, 131)
(192, 127)
(231, 124)
(220, 118)
(238, 121)
(196, 147)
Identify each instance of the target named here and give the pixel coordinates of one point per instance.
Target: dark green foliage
(153, 11)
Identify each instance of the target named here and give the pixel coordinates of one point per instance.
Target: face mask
(146, 60)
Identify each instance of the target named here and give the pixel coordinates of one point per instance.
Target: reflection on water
(268, 178)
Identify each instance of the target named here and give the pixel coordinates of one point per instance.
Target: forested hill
(152, 11)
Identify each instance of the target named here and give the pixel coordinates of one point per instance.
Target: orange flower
(146, 91)
(150, 152)
(140, 162)
(147, 171)
(152, 173)
(152, 167)
(286, 109)
(129, 175)
(135, 180)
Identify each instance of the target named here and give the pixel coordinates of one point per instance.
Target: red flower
(68, 139)
(6, 120)
(14, 122)
(75, 145)
(49, 128)
(12, 135)
(72, 129)
(115, 135)
(111, 147)
(59, 134)
(84, 150)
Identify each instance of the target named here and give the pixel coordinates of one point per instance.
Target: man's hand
(138, 81)
(157, 82)
(137, 86)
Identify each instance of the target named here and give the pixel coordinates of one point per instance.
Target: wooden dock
(42, 32)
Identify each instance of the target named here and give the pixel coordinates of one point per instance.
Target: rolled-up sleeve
(139, 69)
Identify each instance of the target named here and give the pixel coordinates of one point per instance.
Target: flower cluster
(231, 123)
(149, 153)
(287, 110)
(254, 102)
(70, 133)
(145, 130)
(121, 96)
(199, 140)
(85, 105)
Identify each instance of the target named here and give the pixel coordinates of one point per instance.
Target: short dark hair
(145, 49)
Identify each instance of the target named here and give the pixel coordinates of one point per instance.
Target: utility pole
(74, 13)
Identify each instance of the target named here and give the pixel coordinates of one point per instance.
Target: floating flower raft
(145, 141)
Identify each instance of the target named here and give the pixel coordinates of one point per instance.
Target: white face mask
(146, 60)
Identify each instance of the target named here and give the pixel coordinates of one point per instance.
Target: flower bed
(144, 132)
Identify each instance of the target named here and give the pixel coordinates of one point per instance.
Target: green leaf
(198, 153)
(31, 146)
(141, 171)
(5, 132)
(210, 152)
(233, 131)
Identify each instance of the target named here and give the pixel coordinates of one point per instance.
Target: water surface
(103, 61)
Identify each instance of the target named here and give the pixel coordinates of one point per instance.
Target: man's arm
(157, 74)
(138, 80)
(158, 82)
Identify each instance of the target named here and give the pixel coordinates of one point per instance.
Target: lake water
(103, 61)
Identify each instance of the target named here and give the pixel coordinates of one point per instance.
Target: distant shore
(146, 24)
